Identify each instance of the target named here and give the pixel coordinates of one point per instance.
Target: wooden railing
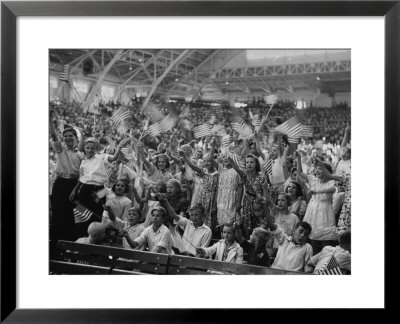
(78, 258)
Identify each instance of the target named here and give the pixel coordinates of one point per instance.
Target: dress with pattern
(253, 186)
(229, 193)
(344, 222)
(208, 196)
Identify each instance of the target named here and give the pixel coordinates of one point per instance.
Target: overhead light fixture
(227, 83)
(176, 80)
(318, 78)
(130, 68)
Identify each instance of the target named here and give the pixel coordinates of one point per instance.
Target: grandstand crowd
(259, 199)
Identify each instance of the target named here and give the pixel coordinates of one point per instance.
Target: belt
(63, 178)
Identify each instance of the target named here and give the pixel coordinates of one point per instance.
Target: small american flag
(112, 176)
(226, 140)
(121, 119)
(202, 131)
(268, 167)
(217, 110)
(168, 122)
(307, 131)
(82, 214)
(331, 268)
(127, 152)
(64, 76)
(293, 140)
(153, 130)
(243, 129)
(256, 122)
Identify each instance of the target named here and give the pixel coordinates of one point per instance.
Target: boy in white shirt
(294, 254)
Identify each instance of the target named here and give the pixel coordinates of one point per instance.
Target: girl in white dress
(319, 213)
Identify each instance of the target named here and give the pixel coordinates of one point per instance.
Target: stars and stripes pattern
(243, 129)
(331, 268)
(153, 130)
(226, 140)
(112, 175)
(294, 129)
(256, 122)
(127, 152)
(121, 119)
(267, 166)
(202, 131)
(82, 214)
(64, 76)
(217, 110)
(168, 123)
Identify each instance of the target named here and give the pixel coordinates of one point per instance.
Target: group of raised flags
(294, 129)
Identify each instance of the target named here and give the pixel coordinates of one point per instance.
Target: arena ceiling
(182, 71)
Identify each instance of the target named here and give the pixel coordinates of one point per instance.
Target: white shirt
(161, 238)
(291, 256)
(198, 236)
(93, 171)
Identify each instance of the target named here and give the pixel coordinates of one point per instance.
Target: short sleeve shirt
(68, 161)
(93, 171)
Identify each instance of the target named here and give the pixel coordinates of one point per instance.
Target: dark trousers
(319, 245)
(87, 197)
(62, 225)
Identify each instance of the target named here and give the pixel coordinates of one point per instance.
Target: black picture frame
(11, 10)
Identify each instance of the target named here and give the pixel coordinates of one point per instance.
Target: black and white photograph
(198, 161)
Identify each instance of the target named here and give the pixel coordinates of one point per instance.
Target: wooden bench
(189, 265)
(78, 258)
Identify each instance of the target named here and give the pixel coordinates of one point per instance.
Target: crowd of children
(202, 198)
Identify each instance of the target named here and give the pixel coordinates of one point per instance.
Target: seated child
(342, 254)
(96, 232)
(227, 249)
(294, 253)
(255, 248)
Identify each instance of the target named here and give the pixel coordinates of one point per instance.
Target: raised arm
(190, 163)
(241, 173)
(118, 150)
(164, 201)
(213, 145)
(299, 167)
(346, 136)
(258, 146)
(53, 132)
